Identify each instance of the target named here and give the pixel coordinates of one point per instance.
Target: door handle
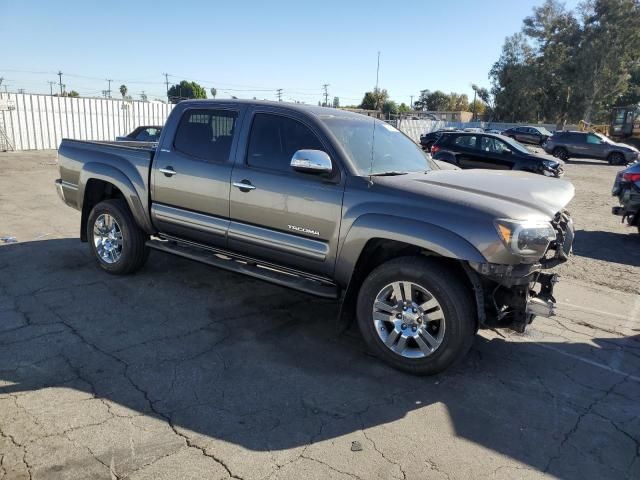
(244, 186)
(168, 171)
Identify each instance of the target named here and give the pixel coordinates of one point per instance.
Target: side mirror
(311, 161)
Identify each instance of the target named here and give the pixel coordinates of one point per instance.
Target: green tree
(568, 65)
(374, 100)
(336, 102)
(185, 90)
(458, 102)
(390, 108)
(214, 92)
(403, 108)
(123, 90)
(73, 94)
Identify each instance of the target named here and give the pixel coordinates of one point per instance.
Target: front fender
(413, 232)
(110, 174)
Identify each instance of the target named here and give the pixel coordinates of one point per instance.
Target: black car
(491, 151)
(528, 134)
(428, 139)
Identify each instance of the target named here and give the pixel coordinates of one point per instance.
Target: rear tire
(115, 239)
(561, 153)
(425, 335)
(616, 158)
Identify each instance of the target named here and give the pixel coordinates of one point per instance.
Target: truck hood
(516, 194)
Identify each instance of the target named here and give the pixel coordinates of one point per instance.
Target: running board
(245, 266)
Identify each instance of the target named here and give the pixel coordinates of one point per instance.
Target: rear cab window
(206, 134)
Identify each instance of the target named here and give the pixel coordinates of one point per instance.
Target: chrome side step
(228, 261)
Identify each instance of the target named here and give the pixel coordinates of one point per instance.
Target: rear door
(191, 174)
(278, 214)
(465, 149)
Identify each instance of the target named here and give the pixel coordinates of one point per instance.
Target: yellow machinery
(624, 126)
(590, 127)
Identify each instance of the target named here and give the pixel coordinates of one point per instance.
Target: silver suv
(565, 145)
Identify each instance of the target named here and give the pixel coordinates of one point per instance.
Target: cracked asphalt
(187, 372)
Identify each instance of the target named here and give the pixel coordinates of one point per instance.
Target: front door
(278, 214)
(191, 174)
(496, 155)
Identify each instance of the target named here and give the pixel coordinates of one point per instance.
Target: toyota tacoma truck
(335, 204)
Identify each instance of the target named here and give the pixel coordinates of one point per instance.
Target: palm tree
(123, 90)
(214, 92)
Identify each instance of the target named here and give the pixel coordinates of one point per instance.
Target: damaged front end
(511, 296)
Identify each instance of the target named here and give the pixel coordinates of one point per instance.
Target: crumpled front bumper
(511, 296)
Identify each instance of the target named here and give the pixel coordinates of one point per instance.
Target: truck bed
(80, 159)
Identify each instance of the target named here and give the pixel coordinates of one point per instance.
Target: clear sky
(250, 48)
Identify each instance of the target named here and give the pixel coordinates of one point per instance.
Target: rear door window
(465, 141)
(274, 139)
(206, 134)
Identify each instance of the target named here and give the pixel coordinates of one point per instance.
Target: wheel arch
(375, 239)
(100, 182)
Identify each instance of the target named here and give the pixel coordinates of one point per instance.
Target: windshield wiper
(388, 174)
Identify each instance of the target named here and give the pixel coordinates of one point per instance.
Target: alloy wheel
(409, 319)
(107, 238)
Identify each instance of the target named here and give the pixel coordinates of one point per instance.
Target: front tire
(416, 315)
(115, 239)
(616, 158)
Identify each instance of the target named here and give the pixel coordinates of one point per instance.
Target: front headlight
(529, 238)
(550, 164)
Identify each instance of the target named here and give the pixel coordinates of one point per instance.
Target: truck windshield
(377, 148)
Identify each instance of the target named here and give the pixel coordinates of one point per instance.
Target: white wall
(39, 122)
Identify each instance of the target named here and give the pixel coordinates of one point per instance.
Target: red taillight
(631, 177)
(434, 149)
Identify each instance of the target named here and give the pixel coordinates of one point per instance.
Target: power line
(109, 87)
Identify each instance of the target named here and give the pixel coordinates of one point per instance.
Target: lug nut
(419, 320)
(413, 310)
(404, 308)
(414, 328)
(399, 315)
(404, 326)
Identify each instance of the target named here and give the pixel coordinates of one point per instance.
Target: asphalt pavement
(183, 371)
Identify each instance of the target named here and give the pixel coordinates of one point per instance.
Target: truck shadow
(224, 357)
(622, 248)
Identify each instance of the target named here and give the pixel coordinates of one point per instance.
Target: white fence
(414, 128)
(38, 122)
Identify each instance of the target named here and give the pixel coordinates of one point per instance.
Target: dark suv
(491, 151)
(526, 134)
(565, 145)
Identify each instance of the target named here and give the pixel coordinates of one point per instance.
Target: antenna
(373, 133)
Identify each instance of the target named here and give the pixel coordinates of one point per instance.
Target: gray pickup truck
(334, 204)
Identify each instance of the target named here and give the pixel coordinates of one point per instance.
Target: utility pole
(411, 104)
(326, 94)
(60, 82)
(166, 82)
(279, 94)
(109, 87)
(51, 84)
